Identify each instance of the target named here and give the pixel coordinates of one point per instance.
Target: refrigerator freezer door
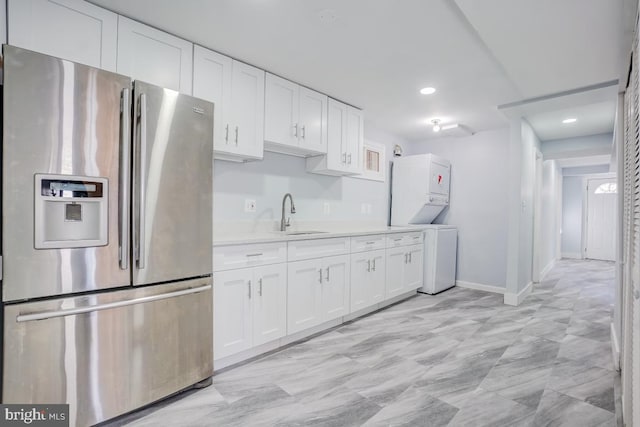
(60, 118)
(108, 353)
(172, 185)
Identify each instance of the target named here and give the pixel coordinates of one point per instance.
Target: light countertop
(224, 239)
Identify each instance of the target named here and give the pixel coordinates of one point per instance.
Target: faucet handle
(288, 222)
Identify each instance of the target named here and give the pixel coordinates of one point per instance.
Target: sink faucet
(284, 224)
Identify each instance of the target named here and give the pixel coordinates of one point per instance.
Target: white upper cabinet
(345, 145)
(153, 56)
(295, 118)
(237, 90)
(70, 29)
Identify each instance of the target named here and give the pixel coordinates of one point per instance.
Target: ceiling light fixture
(571, 120)
(436, 125)
(428, 90)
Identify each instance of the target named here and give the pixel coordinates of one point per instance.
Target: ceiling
(377, 54)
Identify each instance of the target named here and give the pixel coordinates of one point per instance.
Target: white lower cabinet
(317, 291)
(367, 279)
(249, 308)
(404, 270)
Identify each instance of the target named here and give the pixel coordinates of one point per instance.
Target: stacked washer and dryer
(420, 191)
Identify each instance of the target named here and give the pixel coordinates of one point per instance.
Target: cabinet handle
(295, 130)
(327, 274)
(236, 136)
(249, 287)
(349, 158)
(252, 255)
(344, 157)
(304, 132)
(409, 257)
(370, 243)
(397, 240)
(368, 265)
(260, 286)
(226, 135)
(374, 265)
(320, 271)
(406, 258)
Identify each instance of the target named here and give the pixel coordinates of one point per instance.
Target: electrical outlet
(327, 208)
(249, 205)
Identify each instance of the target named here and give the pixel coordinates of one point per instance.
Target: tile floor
(460, 358)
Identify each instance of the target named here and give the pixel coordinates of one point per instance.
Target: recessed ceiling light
(571, 120)
(427, 90)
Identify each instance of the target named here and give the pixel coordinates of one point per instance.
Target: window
(608, 188)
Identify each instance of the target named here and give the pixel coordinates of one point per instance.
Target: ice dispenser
(70, 211)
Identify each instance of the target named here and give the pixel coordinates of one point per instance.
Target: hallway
(460, 358)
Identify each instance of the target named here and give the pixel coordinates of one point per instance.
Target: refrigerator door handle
(125, 144)
(142, 166)
(107, 306)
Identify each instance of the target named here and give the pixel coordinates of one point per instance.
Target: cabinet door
(397, 259)
(413, 269)
(247, 109)
(337, 136)
(377, 277)
(281, 111)
(360, 297)
(269, 303)
(153, 56)
(313, 121)
(304, 293)
(232, 321)
(70, 29)
(355, 139)
(335, 287)
(212, 81)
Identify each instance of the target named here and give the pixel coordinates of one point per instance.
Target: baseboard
(547, 269)
(615, 348)
(480, 287)
(572, 255)
(516, 299)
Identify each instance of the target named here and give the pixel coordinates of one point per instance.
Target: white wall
(582, 146)
(267, 181)
(572, 216)
(550, 211)
(478, 202)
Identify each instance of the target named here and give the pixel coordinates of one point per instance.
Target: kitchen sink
(299, 233)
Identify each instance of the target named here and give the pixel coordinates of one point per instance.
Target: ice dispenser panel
(70, 211)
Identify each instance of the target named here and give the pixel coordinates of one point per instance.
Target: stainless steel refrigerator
(106, 238)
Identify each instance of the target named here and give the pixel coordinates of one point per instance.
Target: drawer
(367, 243)
(317, 248)
(404, 239)
(241, 256)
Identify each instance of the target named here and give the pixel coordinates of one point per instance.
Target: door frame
(585, 206)
(538, 166)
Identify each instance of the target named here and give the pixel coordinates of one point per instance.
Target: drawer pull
(252, 255)
(370, 243)
(374, 265)
(397, 240)
(368, 266)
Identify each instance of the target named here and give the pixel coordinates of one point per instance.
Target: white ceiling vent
(455, 129)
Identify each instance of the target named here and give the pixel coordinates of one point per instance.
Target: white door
(601, 218)
(269, 303)
(304, 294)
(413, 276)
(153, 56)
(377, 277)
(335, 287)
(281, 111)
(70, 29)
(247, 109)
(397, 258)
(212, 82)
(313, 121)
(232, 321)
(337, 136)
(355, 140)
(360, 281)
